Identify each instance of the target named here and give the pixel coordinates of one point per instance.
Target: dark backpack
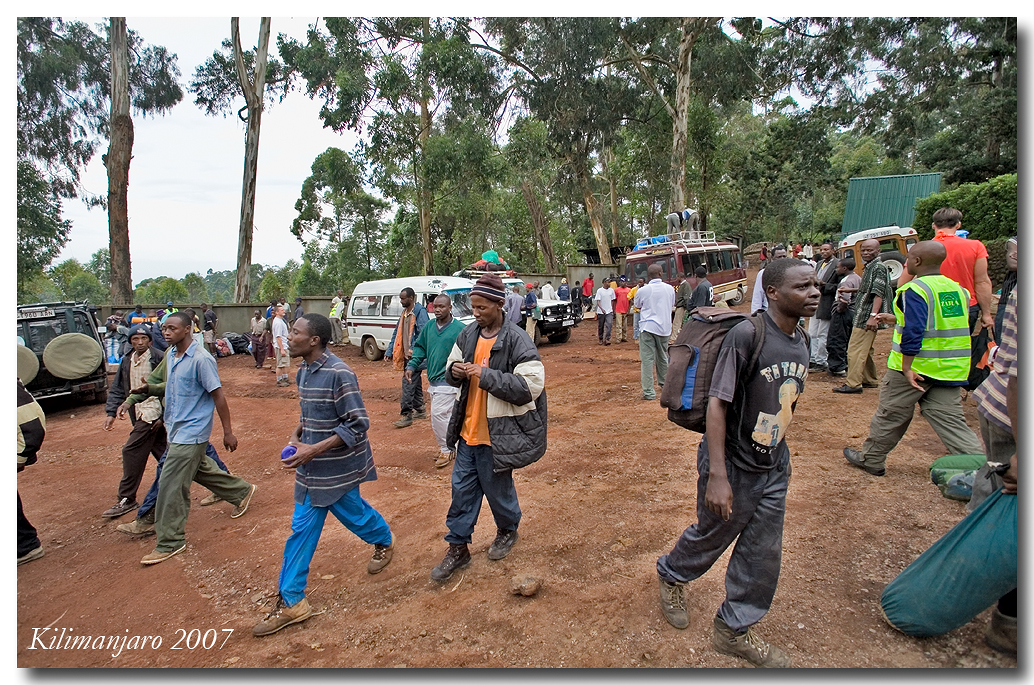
(692, 359)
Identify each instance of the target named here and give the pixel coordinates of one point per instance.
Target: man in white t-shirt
(283, 355)
(604, 303)
(337, 306)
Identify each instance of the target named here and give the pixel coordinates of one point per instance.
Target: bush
(996, 261)
(988, 209)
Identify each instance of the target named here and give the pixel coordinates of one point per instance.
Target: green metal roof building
(876, 201)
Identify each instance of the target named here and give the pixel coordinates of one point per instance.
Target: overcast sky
(185, 178)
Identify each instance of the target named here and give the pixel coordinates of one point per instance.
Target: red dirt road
(613, 492)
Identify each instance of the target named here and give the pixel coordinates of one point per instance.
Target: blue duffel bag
(963, 573)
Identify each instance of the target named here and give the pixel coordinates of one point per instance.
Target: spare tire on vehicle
(72, 355)
(28, 364)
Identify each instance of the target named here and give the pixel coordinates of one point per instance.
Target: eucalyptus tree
(393, 79)
(232, 73)
(76, 87)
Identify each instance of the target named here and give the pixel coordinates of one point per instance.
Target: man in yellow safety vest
(928, 363)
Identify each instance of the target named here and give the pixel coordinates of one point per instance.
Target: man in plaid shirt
(332, 458)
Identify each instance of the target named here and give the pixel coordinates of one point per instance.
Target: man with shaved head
(874, 296)
(928, 363)
(432, 347)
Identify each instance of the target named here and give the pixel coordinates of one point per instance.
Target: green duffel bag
(941, 470)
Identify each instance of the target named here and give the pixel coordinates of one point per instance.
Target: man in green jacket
(433, 345)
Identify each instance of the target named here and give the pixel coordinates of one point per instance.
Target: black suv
(66, 334)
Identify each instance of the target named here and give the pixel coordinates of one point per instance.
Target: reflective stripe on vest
(945, 353)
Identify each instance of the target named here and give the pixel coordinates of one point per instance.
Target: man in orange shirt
(621, 307)
(497, 425)
(966, 264)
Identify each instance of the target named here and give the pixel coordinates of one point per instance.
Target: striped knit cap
(490, 286)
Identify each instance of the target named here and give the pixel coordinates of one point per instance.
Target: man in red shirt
(966, 264)
(587, 285)
(621, 305)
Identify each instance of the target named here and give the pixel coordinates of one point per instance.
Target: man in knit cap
(498, 423)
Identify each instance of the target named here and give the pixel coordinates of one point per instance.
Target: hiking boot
(381, 557)
(210, 500)
(848, 390)
(673, 604)
(137, 527)
(420, 414)
(405, 422)
(1000, 634)
(147, 518)
(747, 646)
(854, 458)
(239, 510)
(282, 616)
(503, 543)
(157, 557)
(122, 507)
(444, 459)
(456, 558)
(33, 555)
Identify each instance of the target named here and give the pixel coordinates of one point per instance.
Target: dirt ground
(613, 492)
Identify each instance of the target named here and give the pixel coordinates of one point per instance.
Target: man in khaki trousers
(874, 296)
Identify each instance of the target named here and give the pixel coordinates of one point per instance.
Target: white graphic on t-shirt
(770, 428)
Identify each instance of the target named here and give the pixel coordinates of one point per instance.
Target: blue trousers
(473, 479)
(758, 505)
(307, 521)
(152, 495)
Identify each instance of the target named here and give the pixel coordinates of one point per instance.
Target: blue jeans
(635, 325)
(758, 506)
(472, 479)
(152, 495)
(351, 510)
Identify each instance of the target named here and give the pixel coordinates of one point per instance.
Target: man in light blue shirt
(192, 392)
(655, 301)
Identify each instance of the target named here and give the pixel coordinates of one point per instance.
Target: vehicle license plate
(36, 313)
(568, 322)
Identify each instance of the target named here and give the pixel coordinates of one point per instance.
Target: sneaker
(405, 422)
(122, 507)
(33, 555)
(854, 458)
(239, 510)
(420, 414)
(817, 368)
(444, 459)
(210, 500)
(503, 543)
(1000, 634)
(381, 557)
(648, 399)
(839, 374)
(137, 527)
(456, 558)
(282, 616)
(673, 604)
(848, 390)
(747, 646)
(157, 557)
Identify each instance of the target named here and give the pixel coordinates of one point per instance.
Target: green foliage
(64, 82)
(197, 289)
(271, 287)
(100, 266)
(988, 209)
(41, 232)
(996, 266)
(160, 290)
(73, 282)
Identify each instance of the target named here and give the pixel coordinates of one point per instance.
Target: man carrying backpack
(744, 468)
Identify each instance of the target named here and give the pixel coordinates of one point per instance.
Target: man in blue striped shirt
(332, 458)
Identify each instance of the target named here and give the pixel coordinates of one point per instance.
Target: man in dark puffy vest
(497, 425)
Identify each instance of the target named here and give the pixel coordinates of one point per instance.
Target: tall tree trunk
(607, 158)
(424, 197)
(538, 221)
(592, 208)
(691, 28)
(120, 153)
(254, 91)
